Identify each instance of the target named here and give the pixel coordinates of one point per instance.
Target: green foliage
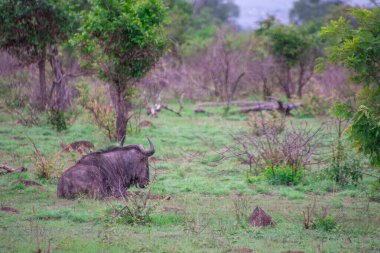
(287, 43)
(192, 28)
(365, 133)
(345, 169)
(222, 11)
(342, 111)
(123, 39)
(57, 119)
(357, 48)
(304, 11)
(28, 27)
(285, 175)
(313, 105)
(326, 223)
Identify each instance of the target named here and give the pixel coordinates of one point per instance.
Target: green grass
(202, 189)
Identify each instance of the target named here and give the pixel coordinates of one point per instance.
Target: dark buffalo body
(107, 173)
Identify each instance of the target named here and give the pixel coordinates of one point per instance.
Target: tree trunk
(60, 99)
(122, 108)
(41, 95)
(287, 84)
(267, 92)
(299, 91)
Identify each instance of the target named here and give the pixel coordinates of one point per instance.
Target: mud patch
(9, 210)
(29, 183)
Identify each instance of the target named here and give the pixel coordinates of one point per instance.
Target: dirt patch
(28, 182)
(9, 210)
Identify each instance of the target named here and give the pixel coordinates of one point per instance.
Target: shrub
(57, 119)
(294, 148)
(286, 175)
(99, 107)
(46, 166)
(27, 116)
(324, 223)
(313, 105)
(345, 171)
(136, 208)
(258, 123)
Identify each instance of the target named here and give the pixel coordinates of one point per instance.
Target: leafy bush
(283, 175)
(294, 148)
(345, 171)
(374, 193)
(324, 223)
(46, 166)
(136, 208)
(344, 167)
(57, 119)
(365, 133)
(313, 105)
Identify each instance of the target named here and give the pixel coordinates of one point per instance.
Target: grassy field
(198, 201)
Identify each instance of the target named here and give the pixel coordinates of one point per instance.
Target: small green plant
(241, 211)
(285, 175)
(374, 193)
(46, 166)
(57, 119)
(345, 172)
(313, 105)
(323, 221)
(327, 223)
(136, 208)
(344, 167)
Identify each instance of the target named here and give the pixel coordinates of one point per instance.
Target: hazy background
(252, 11)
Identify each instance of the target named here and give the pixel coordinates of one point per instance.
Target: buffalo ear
(122, 141)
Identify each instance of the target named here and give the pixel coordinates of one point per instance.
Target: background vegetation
(282, 116)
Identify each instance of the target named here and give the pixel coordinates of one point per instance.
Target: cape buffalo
(107, 173)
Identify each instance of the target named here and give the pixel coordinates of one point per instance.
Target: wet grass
(198, 217)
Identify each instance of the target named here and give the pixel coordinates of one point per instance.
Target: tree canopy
(123, 39)
(304, 11)
(28, 27)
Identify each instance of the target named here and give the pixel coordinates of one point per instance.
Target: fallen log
(8, 169)
(202, 111)
(285, 108)
(233, 103)
(152, 111)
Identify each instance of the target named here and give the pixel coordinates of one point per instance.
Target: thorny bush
(295, 148)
